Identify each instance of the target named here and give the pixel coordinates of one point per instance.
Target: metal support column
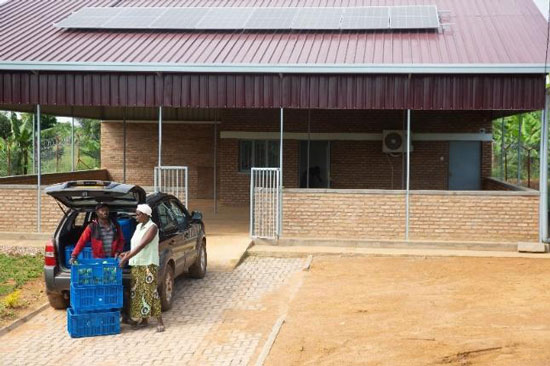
(308, 145)
(124, 147)
(280, 227)
(215, 165)
(543, 175)
(39, 172)
(502, 151)
(408, 174)
(33, 144)
(160, 149)
(519, 148)
(72, 142)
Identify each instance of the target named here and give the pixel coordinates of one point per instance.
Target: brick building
(228, 95)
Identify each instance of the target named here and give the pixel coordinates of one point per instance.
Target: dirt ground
(418, 311)
(32, 296)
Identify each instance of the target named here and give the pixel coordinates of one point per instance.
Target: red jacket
(92, 233)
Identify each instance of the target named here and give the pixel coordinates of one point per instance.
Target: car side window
(181, 218)
(166, 218)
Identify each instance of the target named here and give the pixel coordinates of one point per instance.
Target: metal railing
(265, 203)
(173, 180)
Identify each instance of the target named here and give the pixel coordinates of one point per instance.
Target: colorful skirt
(144, 297)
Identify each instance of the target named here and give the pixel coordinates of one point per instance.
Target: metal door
(464, 165)
(265, 203)
(173, 180)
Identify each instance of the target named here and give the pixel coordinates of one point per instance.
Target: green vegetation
(506, 133)
(16, 270)
(16, 144)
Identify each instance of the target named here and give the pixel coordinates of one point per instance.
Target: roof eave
(276, 69)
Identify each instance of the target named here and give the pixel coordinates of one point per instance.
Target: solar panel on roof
(414, 17)
(179, 18)
(225, 18)
(270, 18)
(318, 18)
(375, 17)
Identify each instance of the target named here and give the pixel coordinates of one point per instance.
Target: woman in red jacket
(104, 233)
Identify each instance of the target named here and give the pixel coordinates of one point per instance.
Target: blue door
(464, 165)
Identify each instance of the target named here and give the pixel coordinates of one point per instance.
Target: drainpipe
(543, 175)
(39, 171)
(33, 144)
(215, 164)
(408, 174)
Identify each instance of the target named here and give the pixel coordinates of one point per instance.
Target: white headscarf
(145, 208)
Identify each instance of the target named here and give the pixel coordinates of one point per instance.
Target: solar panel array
(244, 18)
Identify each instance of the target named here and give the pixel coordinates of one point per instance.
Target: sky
(543, 6)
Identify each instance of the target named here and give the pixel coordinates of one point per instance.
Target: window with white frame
(258, 154)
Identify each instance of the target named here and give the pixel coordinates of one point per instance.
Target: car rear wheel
(58, 301)
(198, 269)
(167, 288)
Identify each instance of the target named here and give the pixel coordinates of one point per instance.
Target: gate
(173, 180)
(265, 203)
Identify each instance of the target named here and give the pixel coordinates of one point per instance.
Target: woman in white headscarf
(144, 262)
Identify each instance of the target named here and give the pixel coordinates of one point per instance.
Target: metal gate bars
(173, 180)
(265, 203)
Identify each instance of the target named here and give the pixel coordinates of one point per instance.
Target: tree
(5, 126)
(47, 121)
(22, 140)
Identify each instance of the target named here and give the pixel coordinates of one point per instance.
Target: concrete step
(391, 244)
(6, 235)
(304, 251)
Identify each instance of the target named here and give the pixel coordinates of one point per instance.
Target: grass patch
(15, 271)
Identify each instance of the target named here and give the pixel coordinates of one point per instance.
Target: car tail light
(49, 254)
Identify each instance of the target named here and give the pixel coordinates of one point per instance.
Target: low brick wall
(343, 214)
(19, 210)
(434, 215)
(494, 184)
(52, 178)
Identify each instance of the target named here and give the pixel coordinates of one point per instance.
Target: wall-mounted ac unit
(394, 141)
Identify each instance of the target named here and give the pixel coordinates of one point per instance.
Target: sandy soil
(33, 295)
(418, 311)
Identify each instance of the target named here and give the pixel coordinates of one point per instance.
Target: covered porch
(221, 126)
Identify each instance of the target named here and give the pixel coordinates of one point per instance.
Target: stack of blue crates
(96, 298)
(86, 253)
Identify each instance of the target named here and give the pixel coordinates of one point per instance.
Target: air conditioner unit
(394, 141)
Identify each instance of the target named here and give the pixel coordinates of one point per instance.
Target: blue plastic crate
(92, 324)
(128, 226)
(94, 272)
(93, 298)
(86, 253)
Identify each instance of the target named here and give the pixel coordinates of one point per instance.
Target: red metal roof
(482, 32)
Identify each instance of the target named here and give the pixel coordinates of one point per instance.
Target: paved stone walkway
(191, 336)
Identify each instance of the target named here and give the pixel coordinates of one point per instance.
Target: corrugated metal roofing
(482, 32)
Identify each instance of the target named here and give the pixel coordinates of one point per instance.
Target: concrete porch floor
(227, 233)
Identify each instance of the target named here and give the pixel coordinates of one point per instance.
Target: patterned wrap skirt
(144, 297)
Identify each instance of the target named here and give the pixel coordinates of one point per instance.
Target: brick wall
(372, 215)
(477, 216)
(19, 211)
(354, 164)
(345, 214)
(52, 178)
(183, 145)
